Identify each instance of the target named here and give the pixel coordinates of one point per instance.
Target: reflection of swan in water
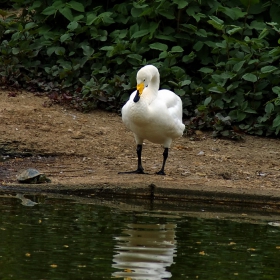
(144, 251)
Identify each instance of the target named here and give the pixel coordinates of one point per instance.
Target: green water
(75, 239)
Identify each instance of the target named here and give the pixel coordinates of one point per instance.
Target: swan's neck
(154, 84)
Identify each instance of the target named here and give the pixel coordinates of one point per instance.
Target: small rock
(225, 175)
(200, 174)
(78, 135)
(45, 128)
(201, 153)
(262, 174)
(186, 173)
(198, 132)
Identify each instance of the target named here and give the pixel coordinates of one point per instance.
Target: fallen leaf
(251, 249)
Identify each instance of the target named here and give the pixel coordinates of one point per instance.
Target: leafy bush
(221, 57)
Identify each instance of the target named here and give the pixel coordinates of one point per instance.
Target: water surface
(73, 239)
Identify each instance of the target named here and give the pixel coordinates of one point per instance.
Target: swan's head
(143, 79)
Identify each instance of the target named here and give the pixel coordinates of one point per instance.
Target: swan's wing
(173, 103)
(126, 110)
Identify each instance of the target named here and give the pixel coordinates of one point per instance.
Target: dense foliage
(221, 57)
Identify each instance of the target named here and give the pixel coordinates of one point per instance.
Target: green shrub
(220, 57)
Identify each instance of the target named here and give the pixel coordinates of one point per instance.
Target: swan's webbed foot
(140, 169)
(161, 172)
(137, 171)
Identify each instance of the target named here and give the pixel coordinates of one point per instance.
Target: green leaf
(59, 50)
(159, 46)
(237, 66)
(250, 111)
(276, 90)
(72, 25)
(78, 17)
(49, 11)
(201, 33)
(188, 58)
(15, 51)
(67, 13)
(207, 101)
(258, 25)
(234, 30)
(107, 48)
(198, 16)
(264, 33)
(181, 3)
(185, 83)
(192, 10)
(269, 107)
(198, 46)
(234, 13)
(136, 12)
(65, 37)
(88, 51)
(119, 34)
(216, 22)
(206, 70)
(219, 103)
(135, 56)
(166, 14)
(253, 61)
(240, 116)
(217, 89)
(91, 18)
(30, 25)
(276, 121)
(268, 69)
(140, 33)
(163, 54)
(250, 77)
(50, 50)
(77, 6)
(176, 49)
(106, 17)
(58, 4)
(133, 28)
(180, 92)
(165, 37)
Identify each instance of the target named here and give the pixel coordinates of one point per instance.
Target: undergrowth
(221, 57)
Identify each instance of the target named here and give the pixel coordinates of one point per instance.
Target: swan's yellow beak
(140, 88)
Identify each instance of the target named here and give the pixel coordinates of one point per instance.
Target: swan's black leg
(140, 169)
(165, 156)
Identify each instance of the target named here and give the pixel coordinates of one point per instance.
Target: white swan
(153, 114)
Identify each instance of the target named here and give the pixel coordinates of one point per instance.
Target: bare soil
(78, 149)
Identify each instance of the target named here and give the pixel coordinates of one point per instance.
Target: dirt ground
(74, 148)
